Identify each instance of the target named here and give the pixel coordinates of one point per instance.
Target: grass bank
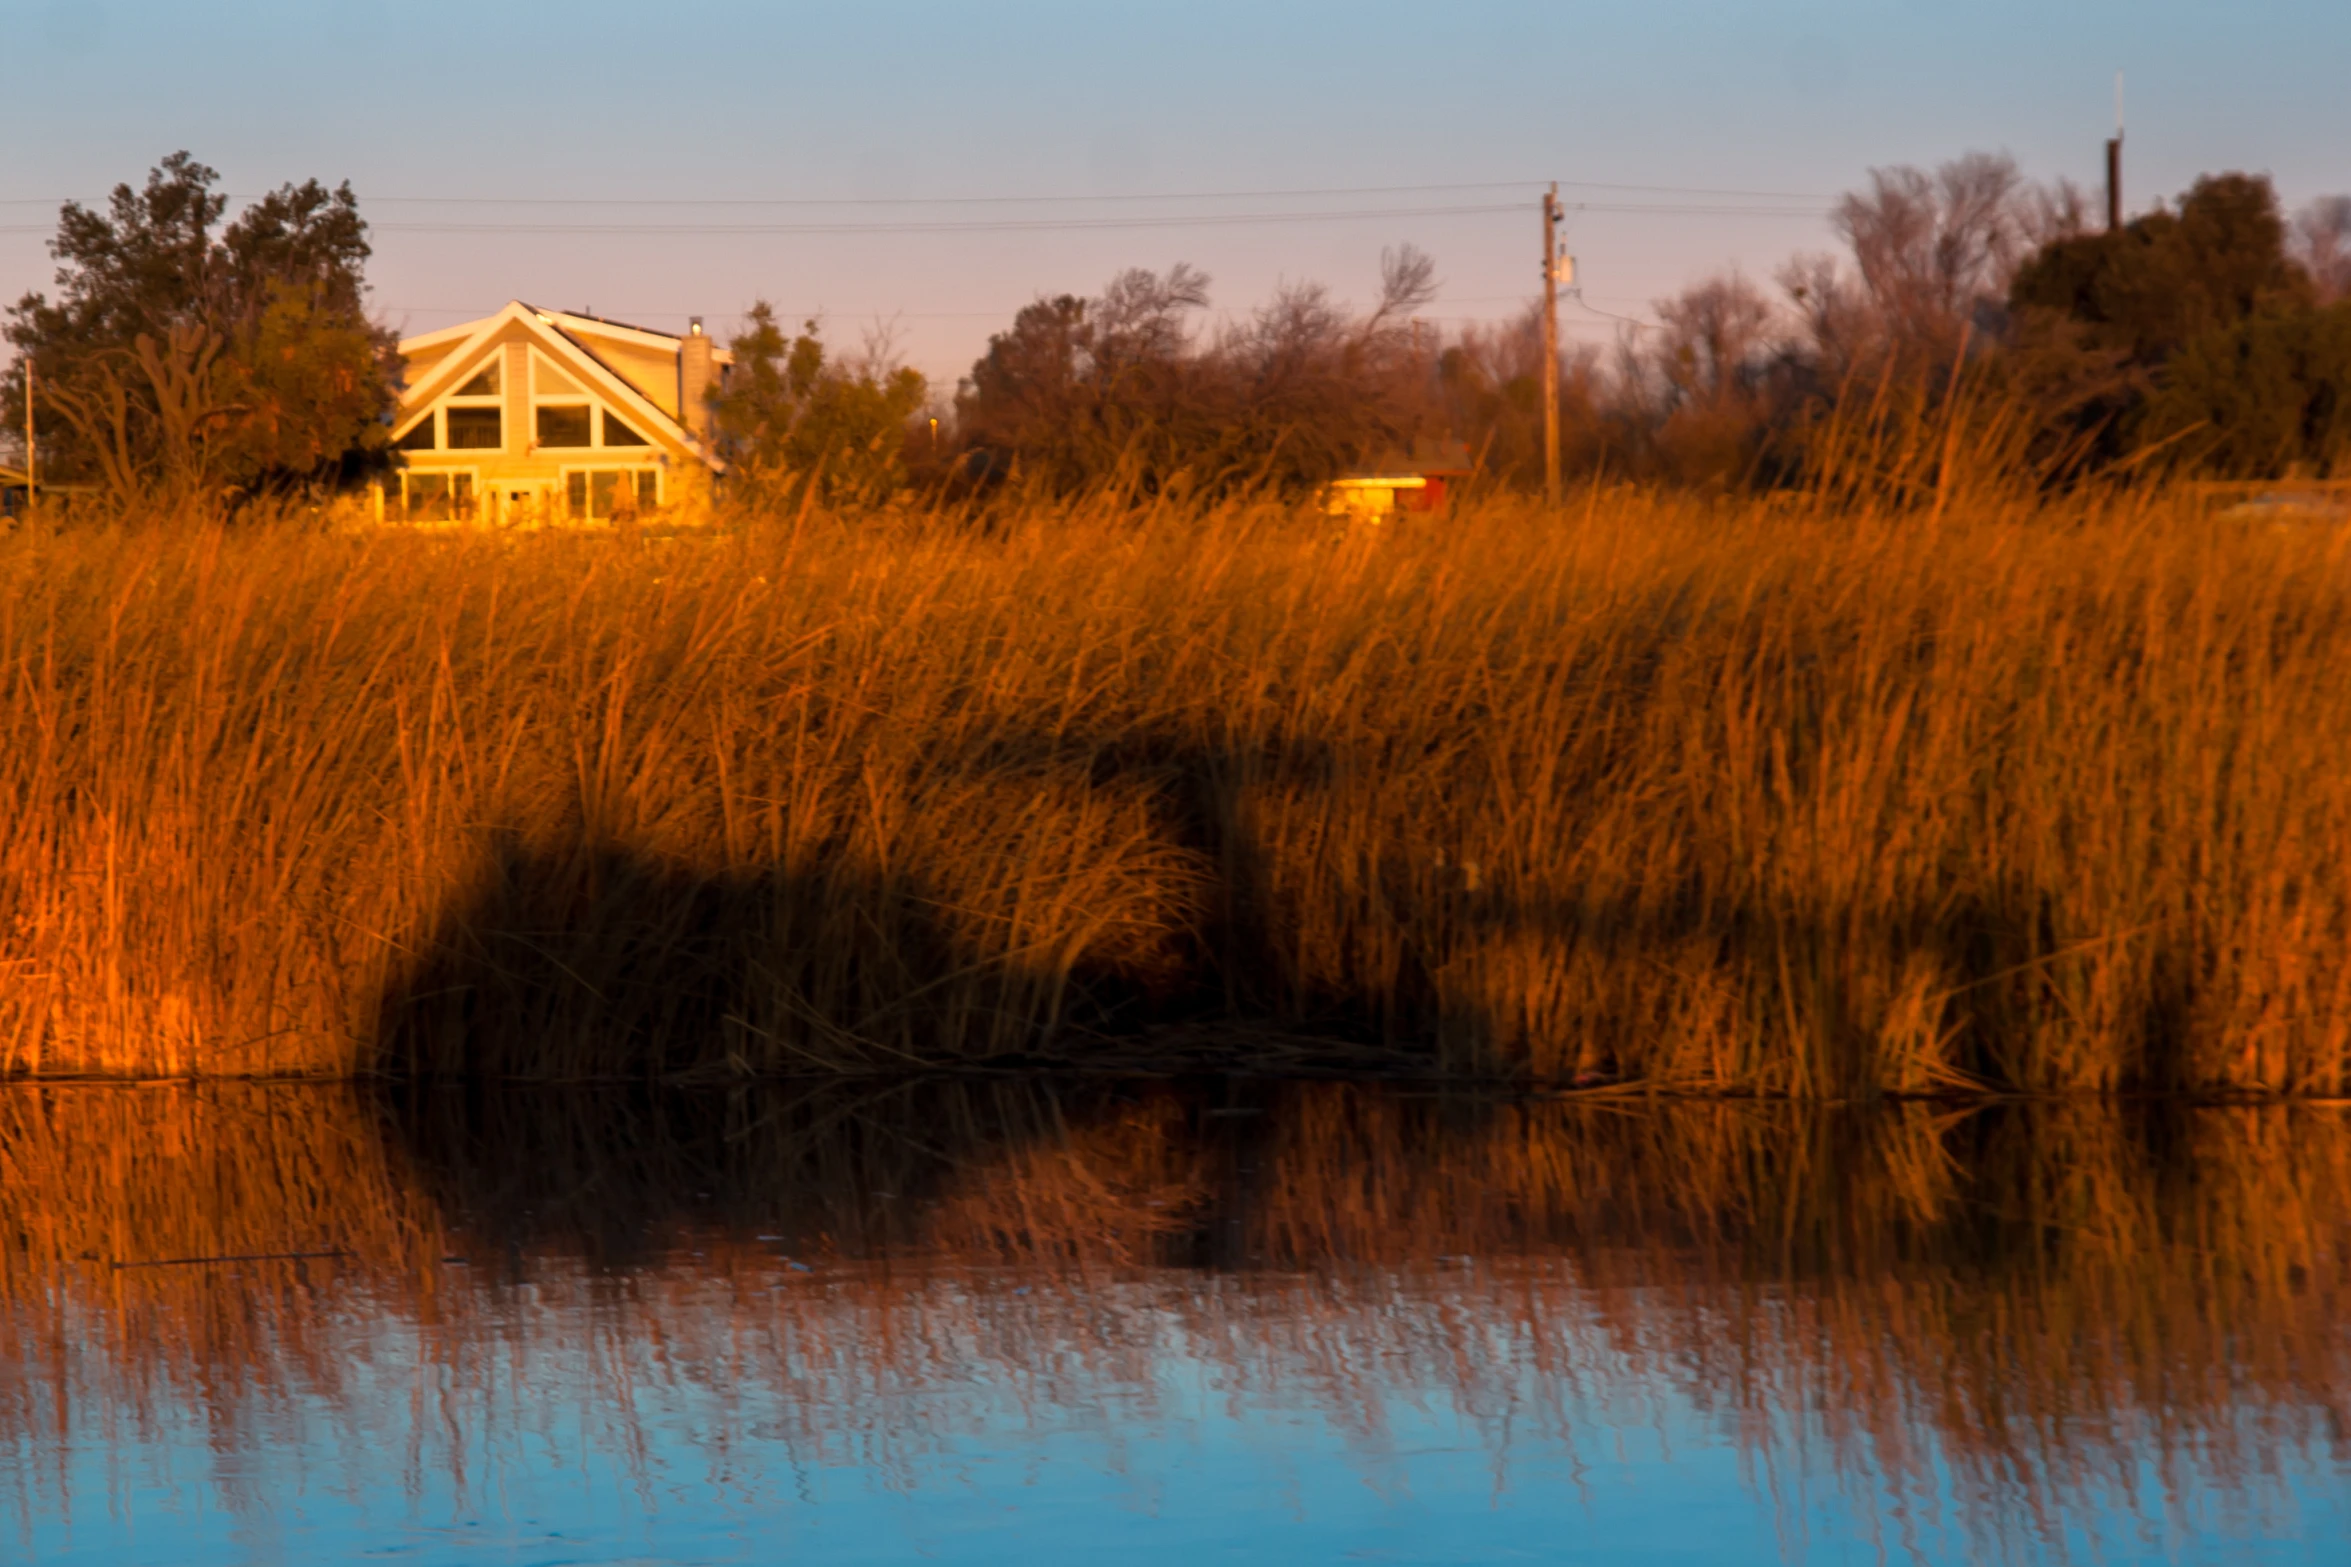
(1700, 796)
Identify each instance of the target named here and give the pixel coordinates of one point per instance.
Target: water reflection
(1020, 1318)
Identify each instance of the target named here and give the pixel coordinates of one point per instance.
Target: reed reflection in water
(1011, 1319)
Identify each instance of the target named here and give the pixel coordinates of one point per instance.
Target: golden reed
(1800, 798)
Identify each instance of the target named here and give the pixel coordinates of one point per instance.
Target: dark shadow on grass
(592, 961)
(596, 961)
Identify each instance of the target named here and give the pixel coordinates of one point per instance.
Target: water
(1216, 1321)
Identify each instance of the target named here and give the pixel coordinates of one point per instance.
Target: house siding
(653, 373)
(518, 398)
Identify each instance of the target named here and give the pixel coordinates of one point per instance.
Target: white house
(540, 415)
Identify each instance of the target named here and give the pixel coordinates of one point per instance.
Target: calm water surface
(1020, 1322)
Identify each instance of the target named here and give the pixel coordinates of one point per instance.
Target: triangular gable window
(619, 434)
(483, 384)
(553, 382)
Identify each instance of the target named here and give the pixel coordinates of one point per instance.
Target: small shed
(1420, 480)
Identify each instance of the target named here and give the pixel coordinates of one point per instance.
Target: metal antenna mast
(2114, 164)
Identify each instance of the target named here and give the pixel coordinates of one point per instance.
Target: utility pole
(1551, 345)
(28, 432)
(2114, 164)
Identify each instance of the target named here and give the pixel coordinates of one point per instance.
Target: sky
(916, 172)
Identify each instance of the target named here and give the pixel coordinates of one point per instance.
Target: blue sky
(933, 104)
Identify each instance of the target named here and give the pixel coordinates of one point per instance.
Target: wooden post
(1551, 345)
(29, 456)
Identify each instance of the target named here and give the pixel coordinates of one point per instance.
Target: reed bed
(1804, 798)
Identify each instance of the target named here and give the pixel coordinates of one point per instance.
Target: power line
(1290, 193)
(951, 225)
(873, 201)
(1646, 326)
(933, 201)
(1079, 225)
(1064, 225)
(1012, 226)
(1066, 199)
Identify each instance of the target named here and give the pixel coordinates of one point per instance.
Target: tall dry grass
(1805, 797)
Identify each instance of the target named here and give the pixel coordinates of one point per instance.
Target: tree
(1078, 386)
(1934, 250)
(177, 357)
(1117, 388)
(2322, 246)
(791, 419)
(2266, 395)
(2168, 277)
(2191, 333)
(1702, 376)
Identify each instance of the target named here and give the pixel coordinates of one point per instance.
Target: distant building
(1418, 481)
(540, 415)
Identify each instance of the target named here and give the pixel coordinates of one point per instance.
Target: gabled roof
(546, 329)
(621, 331)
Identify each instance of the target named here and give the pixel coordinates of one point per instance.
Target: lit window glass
(475, 429)
(426, 496)
(563, 425)
(618, 434)
(436, 497)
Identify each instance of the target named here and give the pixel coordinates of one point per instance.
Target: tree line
(2209, 336)
(2212, 335)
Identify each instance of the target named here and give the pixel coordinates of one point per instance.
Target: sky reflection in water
(1003, 1323)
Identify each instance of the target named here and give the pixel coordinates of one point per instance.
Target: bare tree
(2057, 210)
(1839, 328)
(2322, 243)
(1933, 250)
(1140, 317)
(1408, 281)
(1716, 334)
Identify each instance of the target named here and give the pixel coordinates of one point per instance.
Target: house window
(484, 383)
(608, 492)
(618, 434)
(436, 497)
(563, 424)
(475, 429)
(420, 439)
(553, 382)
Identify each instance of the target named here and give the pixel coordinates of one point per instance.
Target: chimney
(696, 377)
